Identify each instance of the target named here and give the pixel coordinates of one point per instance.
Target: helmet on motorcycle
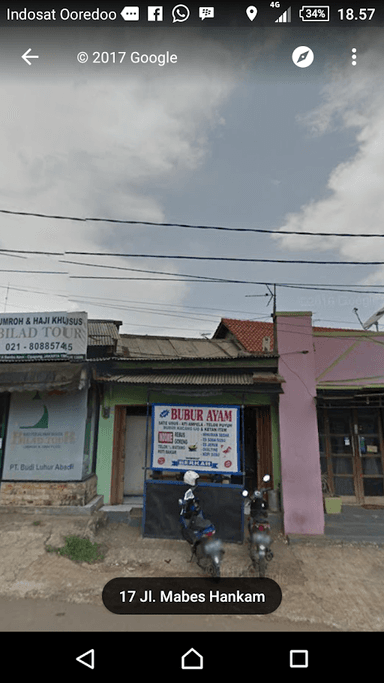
(190, 478)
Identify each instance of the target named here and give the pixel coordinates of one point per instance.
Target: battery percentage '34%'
(314, 13)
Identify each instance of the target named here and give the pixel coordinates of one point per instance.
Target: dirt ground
(335, 586)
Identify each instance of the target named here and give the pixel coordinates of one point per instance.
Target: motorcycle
(199, 531)
(259, 529)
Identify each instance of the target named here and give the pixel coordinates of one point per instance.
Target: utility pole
(274, 320)
(274, 299)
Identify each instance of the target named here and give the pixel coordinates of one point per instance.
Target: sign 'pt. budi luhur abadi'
(43, 335)
(202, 438)
(45, 436)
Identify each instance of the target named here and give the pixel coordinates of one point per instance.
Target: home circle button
(192, 660)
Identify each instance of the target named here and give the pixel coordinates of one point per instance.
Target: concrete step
(74, 510)
(127, 514)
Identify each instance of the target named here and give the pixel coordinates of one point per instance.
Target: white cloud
(101, 148)
(354, 203)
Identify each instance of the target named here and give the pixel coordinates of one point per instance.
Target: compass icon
(303, 56)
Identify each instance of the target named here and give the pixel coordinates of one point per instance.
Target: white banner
(201, 438)
(45, 436)
(45, 335)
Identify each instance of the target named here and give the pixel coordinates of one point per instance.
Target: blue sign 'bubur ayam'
(203, 438)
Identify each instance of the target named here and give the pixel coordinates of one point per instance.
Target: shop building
(49, 407)
(173, 404)
(330, 414)
(119, 418)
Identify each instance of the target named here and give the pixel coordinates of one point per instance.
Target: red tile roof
(250, 333)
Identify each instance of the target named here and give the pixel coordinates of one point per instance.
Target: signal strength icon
(284, 18)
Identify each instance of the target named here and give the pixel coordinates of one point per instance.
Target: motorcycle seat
(200, 523)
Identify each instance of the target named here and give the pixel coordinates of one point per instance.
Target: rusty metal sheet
(44, 376)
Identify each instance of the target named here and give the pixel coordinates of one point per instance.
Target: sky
(232, 135)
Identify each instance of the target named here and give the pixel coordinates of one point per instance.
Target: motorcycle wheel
(262, 566)
(213, 570)
(254, 555)
(206, 563)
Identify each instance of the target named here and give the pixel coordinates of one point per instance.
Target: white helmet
(190, 478)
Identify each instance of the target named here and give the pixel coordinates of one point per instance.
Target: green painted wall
(132, 395)
(275, 446)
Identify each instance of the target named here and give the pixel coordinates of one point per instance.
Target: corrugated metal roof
(43, 376)
(103, 332)
(141, 347)
(195, 378)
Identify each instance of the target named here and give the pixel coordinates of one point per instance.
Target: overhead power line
(218, 281)
(171, 257)
(132, 305)
(205, 278)
(201, 279)
(146, 279)
(36, 272)
(224, 258)
(184, 277)
(277, 231)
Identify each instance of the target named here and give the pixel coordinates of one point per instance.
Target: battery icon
(314, 13)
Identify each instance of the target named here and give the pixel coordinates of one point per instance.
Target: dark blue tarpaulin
(221, 503)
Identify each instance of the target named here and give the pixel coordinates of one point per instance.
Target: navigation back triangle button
(90, 656)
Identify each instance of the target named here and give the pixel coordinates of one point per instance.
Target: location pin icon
(251, 12)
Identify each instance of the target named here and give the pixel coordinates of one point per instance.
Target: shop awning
(43, 376)
(249, 379)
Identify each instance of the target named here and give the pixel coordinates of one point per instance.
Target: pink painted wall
(329, 359)
(299, 441)
(357, 359)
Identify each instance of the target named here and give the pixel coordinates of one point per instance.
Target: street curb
(322, 540)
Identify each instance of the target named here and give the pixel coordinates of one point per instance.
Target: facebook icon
(155, 13)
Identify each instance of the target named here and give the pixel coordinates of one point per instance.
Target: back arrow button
(26, 56)
(91, 663)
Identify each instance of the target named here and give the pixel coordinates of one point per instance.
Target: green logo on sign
(42, 423)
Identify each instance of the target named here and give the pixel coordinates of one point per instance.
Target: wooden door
(369, 452)
(352, 453)
(138, 429)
